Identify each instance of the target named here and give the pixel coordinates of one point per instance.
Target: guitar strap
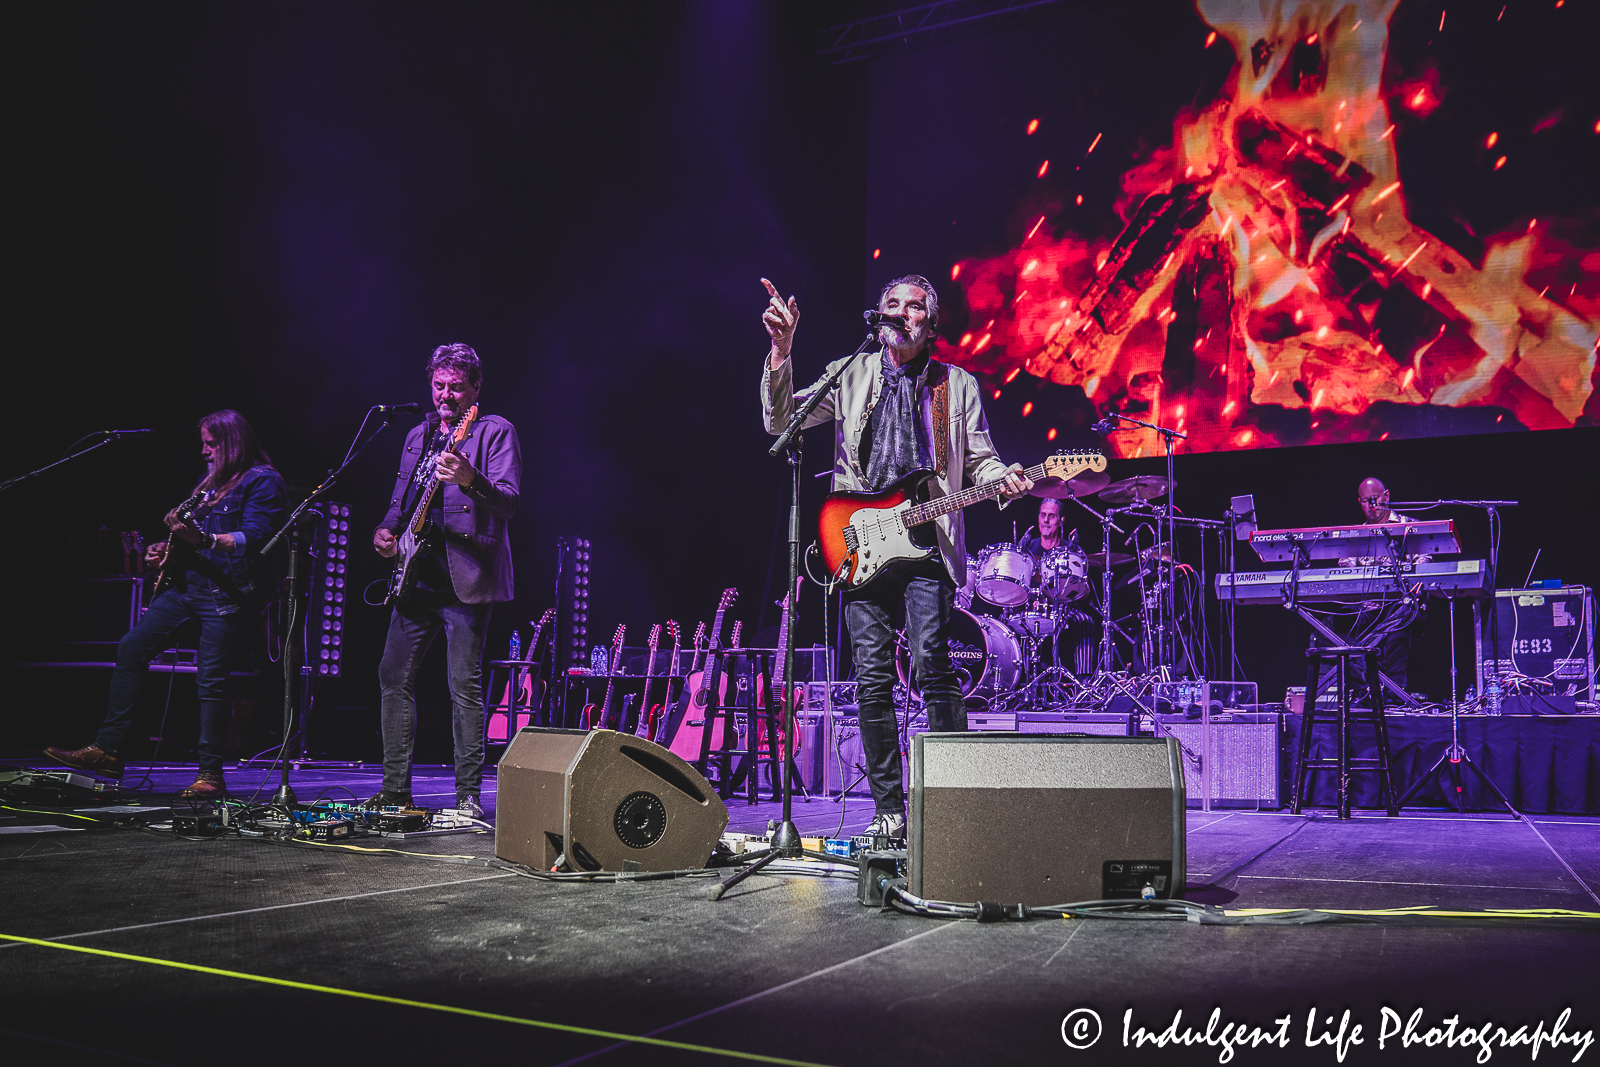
(939, 379)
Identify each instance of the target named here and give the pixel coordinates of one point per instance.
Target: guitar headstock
(738, 632)
(699, 635)
(655, 638)
(1069, 464)
(673, 632)
(616, 640)
(729, 595)
(464, 424)
(538, 627)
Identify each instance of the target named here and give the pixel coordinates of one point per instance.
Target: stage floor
(240, 951)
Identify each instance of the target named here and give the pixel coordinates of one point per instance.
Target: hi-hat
(1098, 559)
(1086, 484)
(1139, 487)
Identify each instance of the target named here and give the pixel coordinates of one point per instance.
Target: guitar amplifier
(1246, 759)
(1102, 724)
(1542, 633)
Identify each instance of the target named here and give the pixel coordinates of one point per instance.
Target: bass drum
(1005, 575)
(985, 652)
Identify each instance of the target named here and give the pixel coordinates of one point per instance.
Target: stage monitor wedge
(1044, 819)
(602, 798)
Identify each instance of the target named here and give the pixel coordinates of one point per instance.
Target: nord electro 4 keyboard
(1435, 537)
(1460, 577)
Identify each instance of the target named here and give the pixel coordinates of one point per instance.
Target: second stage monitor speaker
(602, 798)
(1043, 819)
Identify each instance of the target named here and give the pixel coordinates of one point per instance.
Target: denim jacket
(254, 508)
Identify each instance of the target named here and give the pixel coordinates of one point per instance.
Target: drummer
(1047, 534)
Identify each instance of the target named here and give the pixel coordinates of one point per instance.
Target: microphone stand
(284, 797)
(786, 838)
(109, 437)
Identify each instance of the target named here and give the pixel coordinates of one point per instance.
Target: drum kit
(1020, 633)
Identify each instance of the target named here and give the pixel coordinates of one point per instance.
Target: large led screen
(1263, 223)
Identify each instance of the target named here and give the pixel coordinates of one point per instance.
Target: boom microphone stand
(285, 797)
(786, 839)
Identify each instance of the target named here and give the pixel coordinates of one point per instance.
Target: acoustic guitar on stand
(863, 533)
(530, 690)
(686, 740)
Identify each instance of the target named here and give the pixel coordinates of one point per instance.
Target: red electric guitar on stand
(782, 710)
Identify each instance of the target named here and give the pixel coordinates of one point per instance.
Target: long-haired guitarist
(211, 572)
(897, 411)
(462, 571)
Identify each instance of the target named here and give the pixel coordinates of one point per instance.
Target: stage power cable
(897, 898)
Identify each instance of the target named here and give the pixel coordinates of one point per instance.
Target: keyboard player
(1390, 621)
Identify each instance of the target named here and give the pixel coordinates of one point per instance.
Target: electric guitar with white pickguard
(863, 533)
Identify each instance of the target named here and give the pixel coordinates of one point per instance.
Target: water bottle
(1492, 690)
(599, 660)
(516, 647)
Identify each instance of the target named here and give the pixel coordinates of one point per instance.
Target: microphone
(412, 407)
(124, 433)
(1105, 425)
(882, 318)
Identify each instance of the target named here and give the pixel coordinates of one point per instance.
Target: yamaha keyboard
(1435, 537)
(1460, 577)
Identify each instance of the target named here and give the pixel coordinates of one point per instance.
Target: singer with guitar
(448, 531)
(897, 411)
(211, 572)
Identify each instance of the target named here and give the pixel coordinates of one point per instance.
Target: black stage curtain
(1545, 764)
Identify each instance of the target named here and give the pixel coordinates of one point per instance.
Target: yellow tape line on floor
(403, 1002)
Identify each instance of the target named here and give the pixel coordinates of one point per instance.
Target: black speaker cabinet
(1045, 819)
(602, 798)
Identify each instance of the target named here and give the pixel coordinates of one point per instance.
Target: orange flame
(1270, 230)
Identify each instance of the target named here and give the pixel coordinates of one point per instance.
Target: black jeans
(928, 595)
(412, 628)
(222, 635)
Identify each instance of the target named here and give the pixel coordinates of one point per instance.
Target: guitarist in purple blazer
(454, 586)
(896, 410)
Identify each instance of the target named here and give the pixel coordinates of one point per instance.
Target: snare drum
(1064, 572)
(1037, 619)
(1005, 573)
(985, 652)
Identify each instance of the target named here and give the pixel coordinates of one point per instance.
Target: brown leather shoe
(91, 758)
(206, 787)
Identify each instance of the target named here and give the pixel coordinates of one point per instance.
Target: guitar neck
(976, 494)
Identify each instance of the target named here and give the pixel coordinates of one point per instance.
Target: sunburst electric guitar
(650, 713)
(420, 536)
(863, 533)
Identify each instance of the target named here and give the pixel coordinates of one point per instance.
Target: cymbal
(1098, 559)
(1086, 484)
(1139, 487)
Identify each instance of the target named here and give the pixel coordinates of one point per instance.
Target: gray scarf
(896, 440)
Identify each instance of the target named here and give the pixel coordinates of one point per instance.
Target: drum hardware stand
(1169, 438)
(285, 797)
(1454, 754)
(786, 838)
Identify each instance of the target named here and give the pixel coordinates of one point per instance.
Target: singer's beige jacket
(971, 457)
